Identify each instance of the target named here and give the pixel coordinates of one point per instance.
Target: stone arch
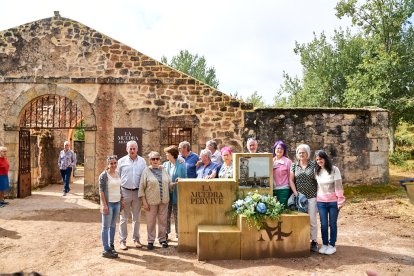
(13, 120)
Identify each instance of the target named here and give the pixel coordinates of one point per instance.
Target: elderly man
(215, 154)
(130, 168)
(207, 168)
(252, 145)
(66, 161)
(190, 159)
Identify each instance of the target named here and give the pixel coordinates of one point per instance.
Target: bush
(398, 158)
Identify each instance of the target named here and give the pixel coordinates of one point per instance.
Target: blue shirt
(204, 171)
(190, 164)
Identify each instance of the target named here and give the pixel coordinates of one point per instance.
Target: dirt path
(56, 235)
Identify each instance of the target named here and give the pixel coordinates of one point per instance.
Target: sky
(249, 43)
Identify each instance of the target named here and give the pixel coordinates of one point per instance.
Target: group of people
(316, 180)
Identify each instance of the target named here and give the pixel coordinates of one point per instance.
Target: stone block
(286, 238)
(378, 158)
(218, 242)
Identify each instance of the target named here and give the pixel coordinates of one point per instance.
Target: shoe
(330, 250)
(314, 246)
(64, 193)
(3, 202)
(113, 248)
(150, 246)
(1, 205)
(123, 246)
(164, 244)
(138, 244)
(323, 249)
(109, 254)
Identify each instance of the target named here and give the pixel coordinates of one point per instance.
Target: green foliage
(194, 66)
(256, 100)
(398, 158)
(359, 193)
(258, 208)
(80, 132)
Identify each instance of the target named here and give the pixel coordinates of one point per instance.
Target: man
(215, 154)
(252, 145)
(207, 169)
(66, 161)
(190, 159)
(130, 168)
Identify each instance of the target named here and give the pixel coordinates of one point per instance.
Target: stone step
(218, 242)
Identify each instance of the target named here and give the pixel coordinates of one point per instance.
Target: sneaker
(164, 244)
(150, 246)
(314, 246)
(138, 244)
(109, 254)
(323, 249)
(123, 246)
(330, 250)
(113, 248)
(3, 202)
(64, 193)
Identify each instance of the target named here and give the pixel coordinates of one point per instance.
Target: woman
(281, 173)
(111, 201)
(154, 192)
(4, 178)
(226, 170)
(175, 170)
(302, 180)
(330, 199)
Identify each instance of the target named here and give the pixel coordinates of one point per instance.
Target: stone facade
(114, 86)
(356, 139)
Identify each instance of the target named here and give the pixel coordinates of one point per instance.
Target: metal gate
(24, 184)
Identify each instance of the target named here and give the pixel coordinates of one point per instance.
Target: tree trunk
(392, 146)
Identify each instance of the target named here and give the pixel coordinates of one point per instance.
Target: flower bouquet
(257, 208)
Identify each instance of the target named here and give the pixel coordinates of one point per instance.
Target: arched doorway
(44, 123)
(69, 108)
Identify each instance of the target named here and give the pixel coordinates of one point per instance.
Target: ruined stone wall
(118, 86)
(356, 139)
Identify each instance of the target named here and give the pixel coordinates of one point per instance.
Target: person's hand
(105, 210)
(296, 193)
(146, 207)
(181, 160)
(122, 204)
(198, 164)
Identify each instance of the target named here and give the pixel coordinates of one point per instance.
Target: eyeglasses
(111, 157)
(155, 159)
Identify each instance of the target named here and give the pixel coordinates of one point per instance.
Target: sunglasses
(112, 157)
(155, 159)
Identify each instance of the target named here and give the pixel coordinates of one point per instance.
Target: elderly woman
(226, 170)
(4, 178)
(281, 173)
(154, 192)
(175, 170)
(330, 199)
(111, 201)
(302, 180)
(208, 168)
(212, 146)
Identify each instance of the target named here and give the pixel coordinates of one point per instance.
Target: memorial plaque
(121, 138)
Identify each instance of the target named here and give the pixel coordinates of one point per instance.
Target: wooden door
(24, 182)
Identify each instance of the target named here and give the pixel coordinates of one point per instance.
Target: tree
(385, 76)
(256, 100)
(194, 66)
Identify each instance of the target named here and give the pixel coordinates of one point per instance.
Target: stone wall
(356, 139)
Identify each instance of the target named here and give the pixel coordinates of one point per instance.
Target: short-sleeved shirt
(204, 171)
(305, 181)
(190, 164)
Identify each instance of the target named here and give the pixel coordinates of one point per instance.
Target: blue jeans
(328, 209)
(109, 224)
(66, 178)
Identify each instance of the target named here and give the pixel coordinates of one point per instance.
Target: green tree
(385, 76)
(256, 100)
(194, 66)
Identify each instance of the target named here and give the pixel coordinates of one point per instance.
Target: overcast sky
(249, 42)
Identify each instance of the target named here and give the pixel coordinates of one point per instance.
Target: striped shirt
(330, 187)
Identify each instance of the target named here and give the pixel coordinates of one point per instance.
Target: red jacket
(4, 166)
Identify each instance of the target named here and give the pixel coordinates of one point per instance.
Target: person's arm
(292, 182)
(105, 209)
(142, 190)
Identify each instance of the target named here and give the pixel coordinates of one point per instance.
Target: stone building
(57, 75)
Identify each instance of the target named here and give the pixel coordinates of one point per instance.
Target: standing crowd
(128, 184)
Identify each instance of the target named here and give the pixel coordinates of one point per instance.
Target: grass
(380, 191)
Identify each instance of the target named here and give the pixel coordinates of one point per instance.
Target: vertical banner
(121, 138)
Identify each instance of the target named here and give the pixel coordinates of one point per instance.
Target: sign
(122, 136)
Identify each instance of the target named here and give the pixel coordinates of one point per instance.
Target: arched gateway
(38, 122)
